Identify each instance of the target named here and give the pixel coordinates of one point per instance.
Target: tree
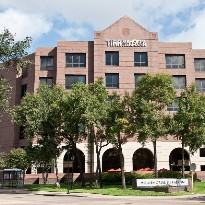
(96, 122)
(5, 90)
(12, 52)
(2, 160)
(189, 121)
(43, 156)
(84, 111)
(41, 118)
(17, 158)
(73, 107)
(150, 98)
(12, 55)
(118, 127)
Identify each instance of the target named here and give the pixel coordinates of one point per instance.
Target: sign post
(193, 168)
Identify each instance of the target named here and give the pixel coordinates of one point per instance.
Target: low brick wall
(165, 189)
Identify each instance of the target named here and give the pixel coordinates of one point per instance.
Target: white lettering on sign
(126, 43)
(161, 182)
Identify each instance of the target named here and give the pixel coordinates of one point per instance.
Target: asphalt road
(46, 198)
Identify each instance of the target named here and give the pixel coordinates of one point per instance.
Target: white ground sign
(161, 182)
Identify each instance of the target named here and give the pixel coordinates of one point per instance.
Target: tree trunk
(98, 174)
(121, 163)
(44, 177)
(91, 149)
(182, 158)
(80, 165)
(56, 170)
(155, 158)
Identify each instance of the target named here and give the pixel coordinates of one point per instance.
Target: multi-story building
(120, 54)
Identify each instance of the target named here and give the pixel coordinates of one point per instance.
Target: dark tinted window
(75, 60)
(112, 80)
(46, 80)
(175, 61)
(140, 59)
(112, 58)
(47, 63)
(72, 79)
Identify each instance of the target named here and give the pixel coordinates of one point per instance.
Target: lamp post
(72, 159)
(68, 191)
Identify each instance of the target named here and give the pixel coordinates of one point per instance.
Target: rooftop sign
(126, 43)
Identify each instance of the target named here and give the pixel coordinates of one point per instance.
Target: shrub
(169, 174)
(115, 177)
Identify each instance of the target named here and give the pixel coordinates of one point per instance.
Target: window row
(112, 81)
(112, 59)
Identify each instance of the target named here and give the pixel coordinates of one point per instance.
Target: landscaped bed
(115, 190)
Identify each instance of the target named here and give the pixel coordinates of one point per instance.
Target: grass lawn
(115, 190)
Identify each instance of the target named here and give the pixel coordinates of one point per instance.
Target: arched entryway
(143, 158)
(73, 157)
(175, 160)
(110, 160)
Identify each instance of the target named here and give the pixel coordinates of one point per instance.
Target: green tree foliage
(12, 52)
(5, 90)
(12, 55)
(2, 160)
(74, 106)
(118, 127)
(17, 158)
(43, 155)
(41, 118)
(149, 100)
(189, 121)
(96, 121)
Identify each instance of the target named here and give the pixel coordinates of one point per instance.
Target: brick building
(120, 54)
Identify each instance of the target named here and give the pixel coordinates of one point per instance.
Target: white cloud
(194, 33)
(24, 24)
(74, 33)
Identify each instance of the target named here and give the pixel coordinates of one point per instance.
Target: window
(112, 58)
(174, 106)
(175, 61)
(47, 63)
(200, 85)
(202, 152)
(112, 80)
(72, 79)
(179, 82)
(137, 79)
(23, 90)
(202, 167)
(140, 59)
(199, 64)
(47, 81)
(75, 60)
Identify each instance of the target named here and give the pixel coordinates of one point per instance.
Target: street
(49, 198)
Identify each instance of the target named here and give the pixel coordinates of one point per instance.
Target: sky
(48, 21)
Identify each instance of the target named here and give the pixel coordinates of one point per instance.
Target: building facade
(120, 54)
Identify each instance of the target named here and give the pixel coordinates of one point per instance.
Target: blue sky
(47, 21)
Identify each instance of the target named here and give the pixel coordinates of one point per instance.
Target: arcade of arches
(142, 158)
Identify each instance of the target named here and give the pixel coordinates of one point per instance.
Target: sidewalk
(74, 194)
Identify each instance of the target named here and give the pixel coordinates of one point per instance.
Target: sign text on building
(126, 43)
